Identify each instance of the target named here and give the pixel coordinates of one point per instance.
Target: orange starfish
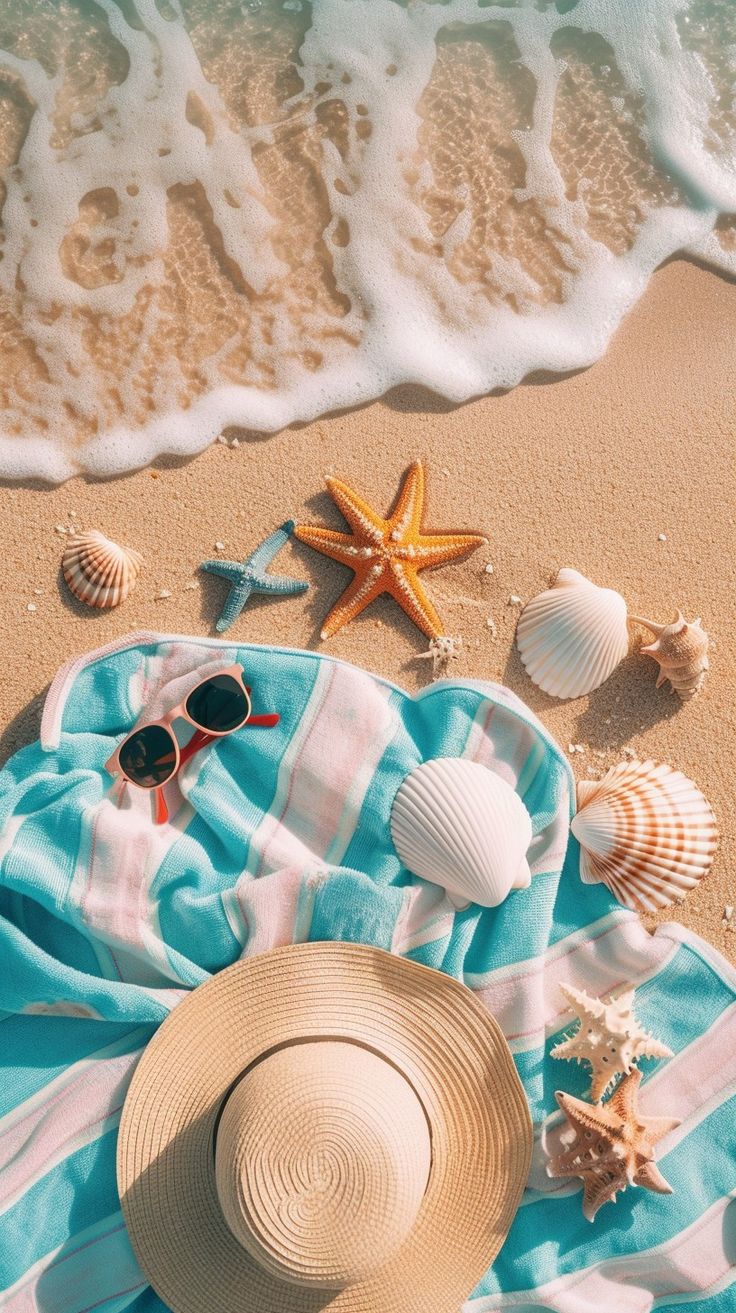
(613, 1145)
(386, 555)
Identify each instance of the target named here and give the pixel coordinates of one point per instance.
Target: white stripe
(477, 980)
(125, 1045)
(629, 1266)
(8, 833)
(69, 1147)
(286, 768)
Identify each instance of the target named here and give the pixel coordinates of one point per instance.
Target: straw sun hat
(323, 1126)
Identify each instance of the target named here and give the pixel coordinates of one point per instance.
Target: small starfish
(613, 1145)
(609, 1038)
(250, 576)
(386, 555)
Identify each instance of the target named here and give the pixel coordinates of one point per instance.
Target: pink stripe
(269, 907)
(329, 774)
(426, 915)
(696, 1075)
(66, 1279)
(488, 750)
(529, 1003)
(692, 1261)
(114, 895)
(62, 1124)
(500, 741)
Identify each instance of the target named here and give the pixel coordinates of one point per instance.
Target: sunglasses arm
(200, 739)
(161, 810)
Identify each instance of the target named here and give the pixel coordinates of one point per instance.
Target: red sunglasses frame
(199, 739)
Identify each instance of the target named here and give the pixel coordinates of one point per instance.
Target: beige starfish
(613, 1145)
(608, 1037)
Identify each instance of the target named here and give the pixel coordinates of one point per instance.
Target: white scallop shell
(646, 832)
(572, 637)
(459, 825)
(99, 571)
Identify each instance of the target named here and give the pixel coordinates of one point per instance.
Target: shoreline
(551, 471)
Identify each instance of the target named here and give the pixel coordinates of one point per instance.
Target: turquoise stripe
(100, 703)
(35, 1050)
(430, 955)
(68, 1199)
(578, 904)
(42, 858)
(56, 937)
(349, 908)
(147, 1302)
(29, 974)
(95, 1269)
(517, 929)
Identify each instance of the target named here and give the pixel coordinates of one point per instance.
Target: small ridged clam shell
(99, 571)
(458, 824)
(572, 637)
(646, 832)
(681, 650)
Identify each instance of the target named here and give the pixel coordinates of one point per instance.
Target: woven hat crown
(322, 1158)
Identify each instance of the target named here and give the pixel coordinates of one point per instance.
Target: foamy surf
(220, 214)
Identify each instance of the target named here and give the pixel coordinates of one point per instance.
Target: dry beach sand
(586, 471)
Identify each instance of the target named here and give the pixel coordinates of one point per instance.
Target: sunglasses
(150, 756)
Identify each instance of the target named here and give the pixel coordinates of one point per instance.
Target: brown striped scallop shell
(99, 571)
(646, 832)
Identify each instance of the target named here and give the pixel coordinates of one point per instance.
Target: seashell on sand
(99, 571)
(459, 825)
(646, 832)
(572, 637)
(681, 649)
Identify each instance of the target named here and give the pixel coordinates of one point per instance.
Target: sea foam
(225, 214)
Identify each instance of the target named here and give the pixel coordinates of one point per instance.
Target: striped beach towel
(279, 836)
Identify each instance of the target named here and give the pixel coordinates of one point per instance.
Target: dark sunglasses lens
(148, 757)
(218, 705)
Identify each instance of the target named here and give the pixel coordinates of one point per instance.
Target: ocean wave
(222, 214)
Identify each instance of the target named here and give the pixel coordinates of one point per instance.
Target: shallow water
(219, 213)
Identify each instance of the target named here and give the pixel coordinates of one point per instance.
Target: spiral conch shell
(572, 637)
(460, 825)
(99, 571)
(681, 649)
(646, 832)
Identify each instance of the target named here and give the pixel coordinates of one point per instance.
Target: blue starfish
(250, 576)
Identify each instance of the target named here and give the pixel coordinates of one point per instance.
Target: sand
(587, 471)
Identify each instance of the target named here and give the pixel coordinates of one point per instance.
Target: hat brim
(429, 1026)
